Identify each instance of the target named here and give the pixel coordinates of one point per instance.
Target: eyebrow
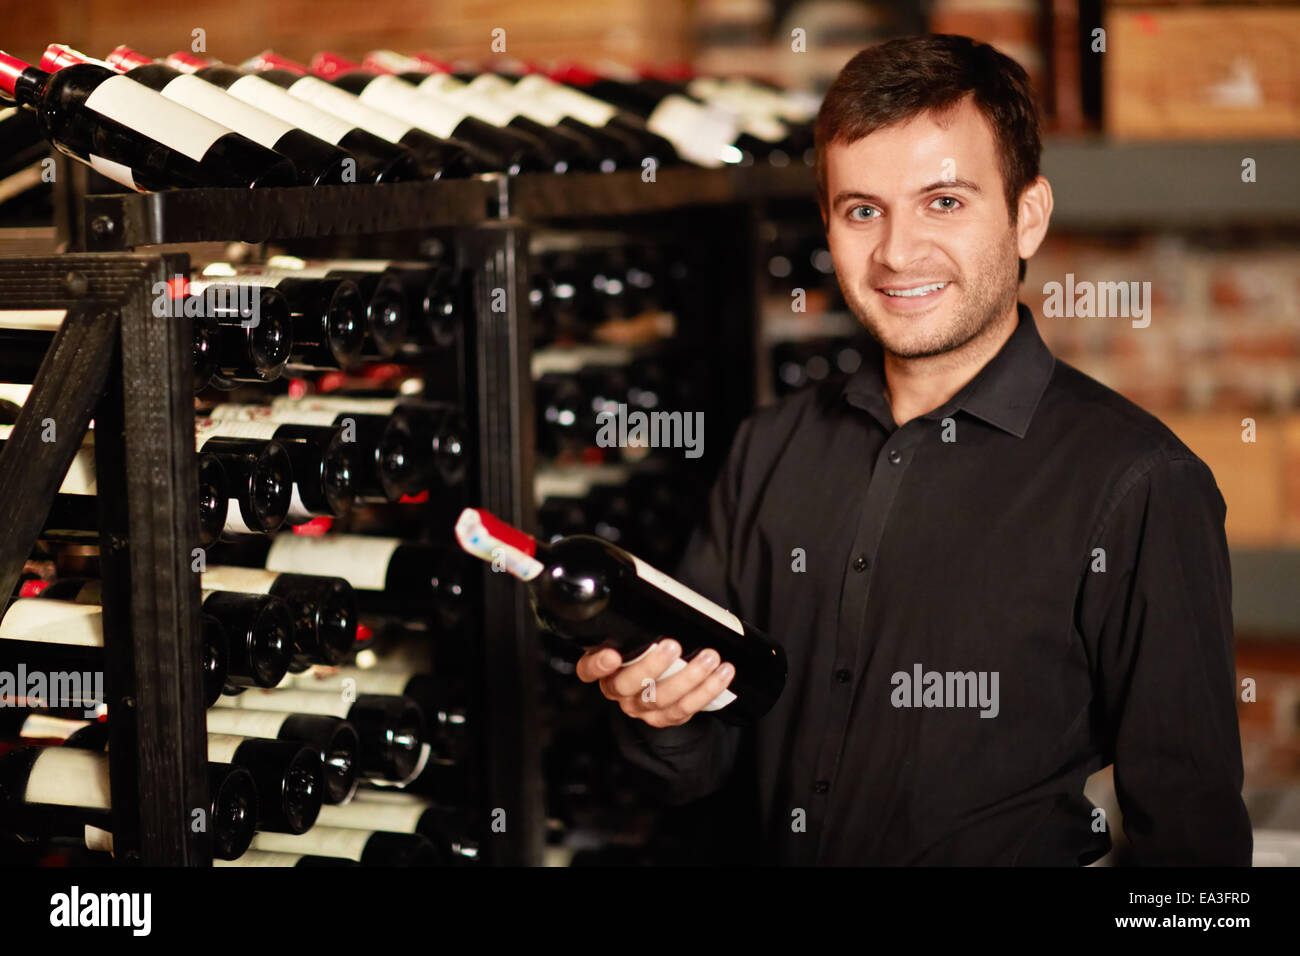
(940, 184)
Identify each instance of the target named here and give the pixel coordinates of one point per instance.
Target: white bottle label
(80, 479)
(440, 84)
(145, 111)
(97, 839)
(346, 106)
(53, 622)
(245, 723)
(318, 841)
(222, 747)
(114, 171)
(231, 578)
(394, 95)
(220, 107)
(699, 132)
(483, 106)
(44, 727)
(262, 858)
(33, 320)
(69, 777)
(368, 816)
(287, 702)
(339, 404)
(359, 559)
(573, 102)
(275, 100)
(206, 428)
(320, 680)
(686, 595)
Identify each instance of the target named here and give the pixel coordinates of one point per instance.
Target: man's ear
(1034, 214)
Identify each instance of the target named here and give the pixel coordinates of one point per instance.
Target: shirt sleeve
(1158, 624)
(694, 759)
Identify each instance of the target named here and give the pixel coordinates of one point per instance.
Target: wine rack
(125, 243)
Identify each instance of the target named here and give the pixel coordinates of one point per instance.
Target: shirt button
(821, 786)
(843, 675)
(860, 563)
(894, 456)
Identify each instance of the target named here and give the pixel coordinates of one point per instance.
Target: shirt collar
(1005, 392)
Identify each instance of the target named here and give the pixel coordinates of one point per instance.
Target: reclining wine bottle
(592, 593)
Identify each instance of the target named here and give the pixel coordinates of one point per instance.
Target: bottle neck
(29, 86)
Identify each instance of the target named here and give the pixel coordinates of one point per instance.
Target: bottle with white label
(391, 728)
(324, 609)
(323, 461)
(134, 135)
(259, 479)
(26, 334)
(378, 160)
(255, 329)
(65, 635)
(440, 156)
(317, 163)
(63, 792)
(452, 832)
(490, 102)
(335, 739)
(591, 593)
(367, 847)
(268, 858)
(290, 785)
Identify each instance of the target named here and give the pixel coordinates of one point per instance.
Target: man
(992, 576)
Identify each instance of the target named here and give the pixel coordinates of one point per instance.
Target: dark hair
(897, 80)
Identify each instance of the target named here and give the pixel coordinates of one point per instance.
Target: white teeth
(919, 290)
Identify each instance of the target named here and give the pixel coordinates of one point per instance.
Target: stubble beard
(990, 291)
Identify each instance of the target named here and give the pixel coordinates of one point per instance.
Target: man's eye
(952, 200)
(853, 213)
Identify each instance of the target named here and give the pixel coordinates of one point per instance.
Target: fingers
(700, 696)
(597, 663)
(630, 680)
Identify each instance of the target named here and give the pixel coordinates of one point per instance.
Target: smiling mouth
(915, 292)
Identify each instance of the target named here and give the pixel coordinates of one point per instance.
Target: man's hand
(638, 690)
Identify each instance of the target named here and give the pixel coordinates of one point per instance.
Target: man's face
(920, 208)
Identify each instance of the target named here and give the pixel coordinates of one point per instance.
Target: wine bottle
(430, 288)
(64, 792)
(424, 444)
(323, 608)
(26, 334)
(367, 847)
(74, 515)
(322, 461)
(134, 136)
(450, 831)
(287, 774)
(378, 160)
(491, 101)
(256, 330)
(389, 575)
(317, 163)
(592, 593)
(260, 631)
(440, 157)
(259, 477)
(267, 858)
(335, 739)
(68, 636)
(446, 725)
(509, 151)
(386, 317)
(391, 729)
(327, 316)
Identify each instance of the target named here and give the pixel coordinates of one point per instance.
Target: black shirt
(1050, 551)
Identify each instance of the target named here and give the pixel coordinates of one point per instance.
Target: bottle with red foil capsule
(491, 99)
(135, 136)
(591, 593)
(318, 163)
(507, 147)
(440, 157)
(378, 160)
